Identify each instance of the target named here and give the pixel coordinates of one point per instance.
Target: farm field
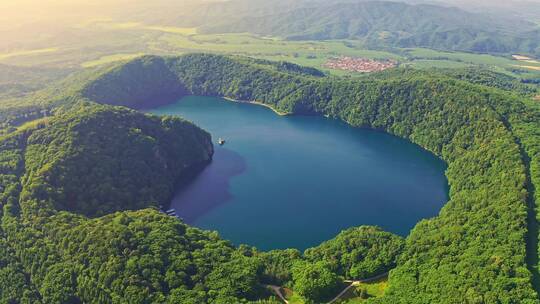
(308, 53)
(106, 41)
(426, 58)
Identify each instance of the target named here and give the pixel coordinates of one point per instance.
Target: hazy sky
(16, 12)
(23, 11)
(18, 6)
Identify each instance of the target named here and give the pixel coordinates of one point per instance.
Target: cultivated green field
(106, 41)
(436, 58)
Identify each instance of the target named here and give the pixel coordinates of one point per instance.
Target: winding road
(277, 289)
(356, 283)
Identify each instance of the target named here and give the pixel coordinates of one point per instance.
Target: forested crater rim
(487, 137)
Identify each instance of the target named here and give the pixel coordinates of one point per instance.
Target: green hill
(16, 81)
(482, 247)
(94, 160)
(390, 24)
(135, 164)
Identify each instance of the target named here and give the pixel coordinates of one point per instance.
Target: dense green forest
(63, 241)
(142, 167)
(128, 257)
(483, 228)
(458, 25)
(362, 252)
(64, 246)
(16, 81)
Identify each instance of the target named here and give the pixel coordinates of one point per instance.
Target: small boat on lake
(221, 141)
(171, 212)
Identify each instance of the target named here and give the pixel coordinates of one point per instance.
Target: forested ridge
(374, 24)
(380, 24)
(478, 250)
(65, 178)
(455, 120)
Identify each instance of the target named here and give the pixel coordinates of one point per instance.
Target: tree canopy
(60, 225)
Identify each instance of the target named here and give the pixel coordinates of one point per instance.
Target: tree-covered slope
(481, 248)
(136, 163)
(493, 79)
(384, 23)
(486, 217)
(61, 239)
(16, 81)
(360, 252)
(472, 75)
(155, 84)
(93, 159)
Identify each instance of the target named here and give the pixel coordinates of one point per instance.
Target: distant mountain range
(524, 9)
(496, 27)
(377, 23)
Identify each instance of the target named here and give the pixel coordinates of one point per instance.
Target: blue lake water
(295, 181)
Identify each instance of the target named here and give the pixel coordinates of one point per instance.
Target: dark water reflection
(211, 187)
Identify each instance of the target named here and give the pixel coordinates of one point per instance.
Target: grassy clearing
(431, 58)
(295, 299)
(442, 64)
(110, 59)
(292, 297)
(529, 67)
(33, 123)
(370, 290)
(459, 56)
(375, 289)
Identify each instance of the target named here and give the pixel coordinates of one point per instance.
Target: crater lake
(296, 181)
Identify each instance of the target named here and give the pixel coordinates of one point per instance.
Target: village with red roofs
(361, 65)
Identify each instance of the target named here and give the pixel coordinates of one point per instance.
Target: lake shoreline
(321, 170)
(259, 104)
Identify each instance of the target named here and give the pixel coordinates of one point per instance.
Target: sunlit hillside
(270, 151)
